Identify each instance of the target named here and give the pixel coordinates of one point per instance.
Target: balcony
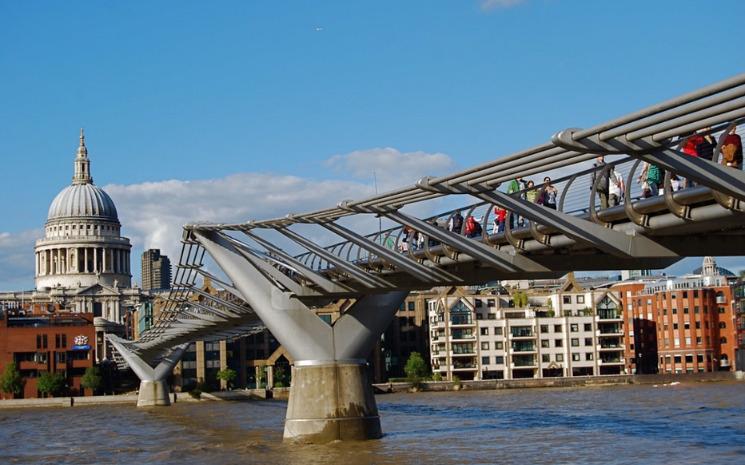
(606, 315)
(610, 330)
(522, 332)
(523, 346)
(461, 320)
(611, 361)
(524, 361)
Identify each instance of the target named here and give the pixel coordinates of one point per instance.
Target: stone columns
(85, 260)
(105, 253)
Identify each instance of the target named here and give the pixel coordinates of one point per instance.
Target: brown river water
(684, 424)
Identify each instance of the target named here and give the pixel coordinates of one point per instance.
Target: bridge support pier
(153, 393)
(330, 402)
(154, 389)
(331, 396)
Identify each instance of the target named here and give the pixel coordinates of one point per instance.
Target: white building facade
(477, 336)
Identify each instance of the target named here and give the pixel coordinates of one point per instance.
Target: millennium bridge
(374, 251)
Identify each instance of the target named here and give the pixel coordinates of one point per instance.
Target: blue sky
(198, 91)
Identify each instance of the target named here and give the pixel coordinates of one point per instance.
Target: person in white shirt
(615, 188)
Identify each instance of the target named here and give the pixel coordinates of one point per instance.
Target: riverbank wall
(426, 386)
(575, 381)
(236, 395)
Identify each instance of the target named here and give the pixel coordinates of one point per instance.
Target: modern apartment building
(566, 331)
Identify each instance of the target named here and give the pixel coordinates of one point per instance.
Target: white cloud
(390, 167)
(494, 4)
(17, 259)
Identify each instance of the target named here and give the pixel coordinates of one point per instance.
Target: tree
(50, 383)
(11, 381)
(280, 377)
(415, 368)
(228, 375)
(92, 379)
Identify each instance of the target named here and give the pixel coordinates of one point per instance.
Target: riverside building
(680, 325)
(566, 331)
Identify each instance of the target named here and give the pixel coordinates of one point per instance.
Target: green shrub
(91, 379)
(50, 384)
(416, 368)
(195, 393)
(11, 380)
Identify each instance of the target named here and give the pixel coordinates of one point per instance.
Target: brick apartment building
(37, 343)
(680, 325)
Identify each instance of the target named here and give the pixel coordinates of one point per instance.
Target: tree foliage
(228, 375)
(92, 378)
(11, 381)
(416, 368)
(520, 298)
(50, 383)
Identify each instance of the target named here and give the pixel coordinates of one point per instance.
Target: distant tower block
(156, 270)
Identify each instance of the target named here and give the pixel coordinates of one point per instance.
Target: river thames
(682, 424)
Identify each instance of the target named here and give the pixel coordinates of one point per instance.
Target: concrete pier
(153, 393)
(330, 402)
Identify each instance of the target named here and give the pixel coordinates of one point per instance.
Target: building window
(722, 325)
(677, 359)
(479, 303)
(499, 345)
(558, 343)
(588, 341)
(557, 328)
(499, 360)
(411, 306)
(580, 299)
(491, 303)
(575, 342)
(544, 328)
(722, 340)
(575, 357)
(698, 340)
(588, 356)
(675, 326)
(567, 299)
(544, 343)
(559, 357)
(484, 346)
(484, 360)
(574, 327)
(588, 326)
(498, 331)
(545, 358)
(484, 331)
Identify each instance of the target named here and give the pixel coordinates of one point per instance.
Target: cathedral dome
(82, 200)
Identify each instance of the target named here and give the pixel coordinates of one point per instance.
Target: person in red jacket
(500, 215)
(473, 228)
(732, 150)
